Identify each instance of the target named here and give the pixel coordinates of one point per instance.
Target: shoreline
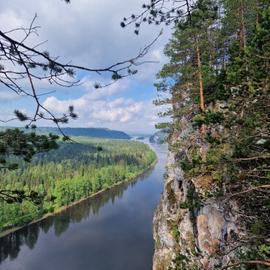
(64, 208)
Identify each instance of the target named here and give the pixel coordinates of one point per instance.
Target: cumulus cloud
(119, 113)
(86, 32)
(119, 110)
(89, 34)
(98, 93)
(100, 108)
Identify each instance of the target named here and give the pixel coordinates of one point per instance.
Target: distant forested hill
(74, 171)
(86, 132)
(160, 136)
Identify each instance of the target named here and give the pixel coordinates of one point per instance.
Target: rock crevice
(191, 231)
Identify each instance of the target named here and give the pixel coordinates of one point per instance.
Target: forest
(74, 171)
(214, 211)
(218, 79)
(12, 244)
(86, 132)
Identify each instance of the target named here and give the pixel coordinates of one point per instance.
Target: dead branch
(28, 63)
(247, 191)
(251, 262)
(251, 158)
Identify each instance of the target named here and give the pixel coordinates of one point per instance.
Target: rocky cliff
(195, 238)
(195, 227)
(215, 208)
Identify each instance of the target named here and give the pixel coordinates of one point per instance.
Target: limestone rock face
(191, 237)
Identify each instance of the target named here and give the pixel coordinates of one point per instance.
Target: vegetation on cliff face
(72, 172)
(218, 78)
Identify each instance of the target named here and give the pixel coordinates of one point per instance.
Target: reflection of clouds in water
(113, 224)
(10, 245)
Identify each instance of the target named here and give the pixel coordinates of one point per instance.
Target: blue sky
(88, 32)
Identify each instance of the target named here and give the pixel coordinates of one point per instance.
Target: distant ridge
(160, 136)
(86, 132)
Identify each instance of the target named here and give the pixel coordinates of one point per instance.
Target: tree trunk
(242, 27)
(202, 106)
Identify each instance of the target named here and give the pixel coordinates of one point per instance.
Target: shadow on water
(10, 245)
(111, 231)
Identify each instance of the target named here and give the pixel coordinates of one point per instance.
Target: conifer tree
(219, 60)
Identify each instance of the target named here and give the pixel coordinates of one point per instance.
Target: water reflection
(11, 244)
(112, 231)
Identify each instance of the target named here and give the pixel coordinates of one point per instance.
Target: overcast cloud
(88, 32)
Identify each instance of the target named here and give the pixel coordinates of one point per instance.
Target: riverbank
(64, 208)
(83, 235)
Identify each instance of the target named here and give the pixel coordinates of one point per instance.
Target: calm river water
(112, 231)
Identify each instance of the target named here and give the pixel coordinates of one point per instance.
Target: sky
(88, 33)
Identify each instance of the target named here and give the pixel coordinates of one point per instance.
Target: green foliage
(208, 118)
(163, 125)
(227, 151)
(87, 132)
(212, 140)
(257, 251)
(15, 142)
(175, 233)
(186, 165)
(182, 262)
(21, 116)
(192, 201)
(70, 173)
(18, 213)
(258, 228)
(264, 250)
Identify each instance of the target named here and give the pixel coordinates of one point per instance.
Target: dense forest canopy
(86, 132)
(30, 71)
(72, 172)
(217, 78)
(12, 245)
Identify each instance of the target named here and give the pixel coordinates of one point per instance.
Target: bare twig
(251, 262)
(247, 191)
(28, 63)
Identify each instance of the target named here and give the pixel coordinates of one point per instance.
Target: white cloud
(98, 93)
(119, 113)
(89, 34)
(119, 110)
(148, 71)
(94, 108)
(7, 95)
(86, 32)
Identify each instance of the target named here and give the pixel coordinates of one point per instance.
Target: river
(111, 231)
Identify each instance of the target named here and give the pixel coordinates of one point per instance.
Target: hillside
(159, 137)
(72, 172)
(86, 132)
